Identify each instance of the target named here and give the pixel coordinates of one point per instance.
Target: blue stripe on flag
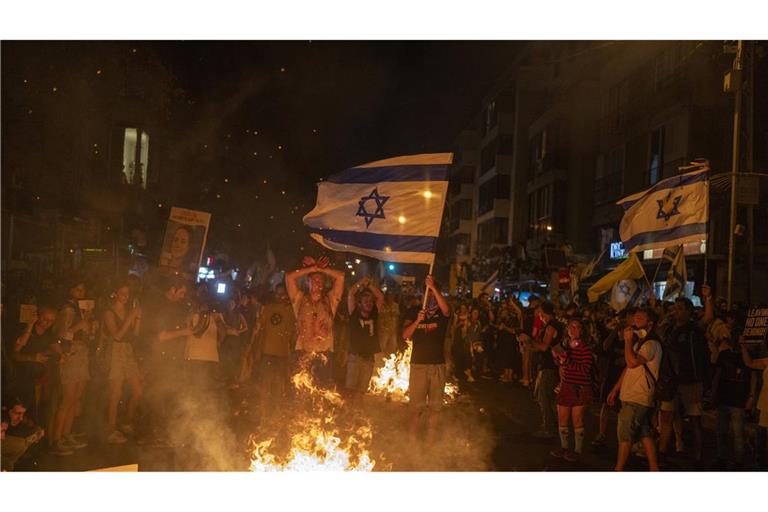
(378, 241)
(674, 182)
(432, 172)
(666, 235)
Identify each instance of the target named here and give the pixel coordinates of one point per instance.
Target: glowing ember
(391, 380)
(316, 442)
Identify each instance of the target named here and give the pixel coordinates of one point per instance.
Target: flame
(391, 380)
(316, 443)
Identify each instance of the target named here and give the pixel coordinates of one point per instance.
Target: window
(540, 208)
(487, 194)
(490, 118)
(135, 156)
(488, 156)
(656, 156)
(538, 151)
(618, 99)
(507, 144)
(667, 67)
(493, 231)
(497, 187)
(609, 179)
(465, 209)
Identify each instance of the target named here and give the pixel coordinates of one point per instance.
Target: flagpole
(658, 267)
(426, 290)
(734, 170)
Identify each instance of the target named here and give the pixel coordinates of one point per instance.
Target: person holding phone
(122, 325)
(73, 327)
(31, 353)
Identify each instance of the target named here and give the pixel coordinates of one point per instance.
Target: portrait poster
(184, 242)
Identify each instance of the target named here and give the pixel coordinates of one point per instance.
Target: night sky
(331, 105)
(254, 125)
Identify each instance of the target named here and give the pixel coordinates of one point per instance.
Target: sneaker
(61, 449)
(570, 456)
(116, 437)
(558, 453)
(73, 443)
(127, 430)
(543, 434)
(598, 441)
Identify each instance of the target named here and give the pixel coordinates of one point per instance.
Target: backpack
(665, 387)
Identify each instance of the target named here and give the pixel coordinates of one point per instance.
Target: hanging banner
(184, 241)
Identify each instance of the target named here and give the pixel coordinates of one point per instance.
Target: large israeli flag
(672, 212)
(389, 210)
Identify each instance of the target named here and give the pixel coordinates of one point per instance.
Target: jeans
(546, 382)
(735, 417)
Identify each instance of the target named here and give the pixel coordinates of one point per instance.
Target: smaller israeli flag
(390, 209)
(672, 212)
(677, 276)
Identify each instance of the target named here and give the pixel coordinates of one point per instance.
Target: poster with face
(184, 241)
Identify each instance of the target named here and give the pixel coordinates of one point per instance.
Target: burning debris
(318, 439)
(391, 380)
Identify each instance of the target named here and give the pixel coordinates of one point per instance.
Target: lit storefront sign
(617, 251)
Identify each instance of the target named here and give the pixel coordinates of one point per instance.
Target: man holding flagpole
(427, 327)
(391, 210)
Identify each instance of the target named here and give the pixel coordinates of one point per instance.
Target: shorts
(426, 386)
(689, 396)
(122, 364)
(634, 421)
(359, 371)
(75, 367)
(574, 395)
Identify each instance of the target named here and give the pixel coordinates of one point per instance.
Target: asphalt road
(488, 428)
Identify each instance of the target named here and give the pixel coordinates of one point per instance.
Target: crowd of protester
(109, 366)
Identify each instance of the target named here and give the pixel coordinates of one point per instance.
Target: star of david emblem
(378, 212)
(665, 211)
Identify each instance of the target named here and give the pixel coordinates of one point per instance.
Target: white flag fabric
(672, 212)
(390, 209)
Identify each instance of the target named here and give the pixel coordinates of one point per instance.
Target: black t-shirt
(165, 315)
(546, 362)
(364, 333)
(733, 389)
(689, 352)
(38, 343)
(428, 338)
(23, 429)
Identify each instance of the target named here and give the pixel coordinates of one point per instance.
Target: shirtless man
(314, 311)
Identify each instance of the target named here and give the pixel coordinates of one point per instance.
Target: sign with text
(756, 325)
(617, 251)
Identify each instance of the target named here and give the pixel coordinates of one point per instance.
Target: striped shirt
(577, 367)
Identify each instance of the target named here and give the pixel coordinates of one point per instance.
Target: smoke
(216, 430)
(464, 439)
